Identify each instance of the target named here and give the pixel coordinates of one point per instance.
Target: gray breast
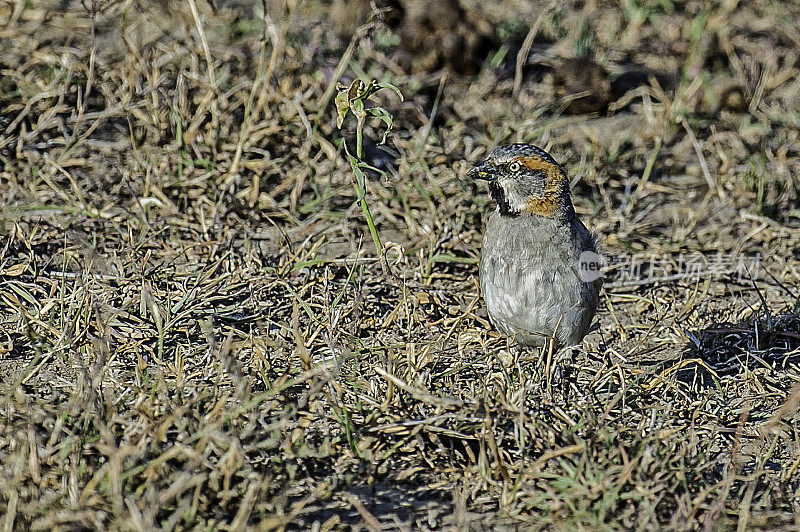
(529, 279)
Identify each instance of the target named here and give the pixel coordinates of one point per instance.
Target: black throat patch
(499, 196)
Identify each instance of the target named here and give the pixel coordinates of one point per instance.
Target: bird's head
(525, 180)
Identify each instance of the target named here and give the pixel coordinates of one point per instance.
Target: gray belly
(530, 283)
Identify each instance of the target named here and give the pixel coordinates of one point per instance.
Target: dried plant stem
(699, 151)
(203, 41)
(522, 55)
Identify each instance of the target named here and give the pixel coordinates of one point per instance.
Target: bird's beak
(483, 171)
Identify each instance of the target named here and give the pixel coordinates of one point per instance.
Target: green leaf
(383, 114)
(355, 90)
(387, 85)
(362, 164)
(361, 178)
(357, 106)
(342, 107)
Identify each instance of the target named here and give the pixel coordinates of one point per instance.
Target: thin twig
(522, 55)
(699, 151)
(203, 41)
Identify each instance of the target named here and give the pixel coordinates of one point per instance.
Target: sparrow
(539, 267)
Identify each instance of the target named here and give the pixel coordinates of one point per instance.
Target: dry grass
(196, 332)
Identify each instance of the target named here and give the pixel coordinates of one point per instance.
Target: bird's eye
(514, 167)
